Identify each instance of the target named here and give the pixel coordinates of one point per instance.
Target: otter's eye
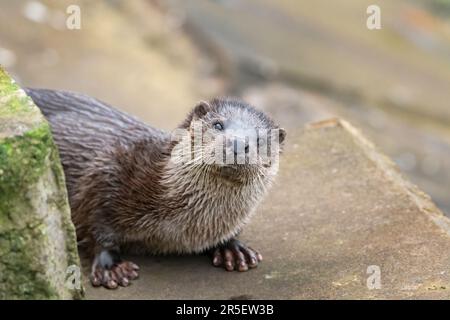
(218, 126)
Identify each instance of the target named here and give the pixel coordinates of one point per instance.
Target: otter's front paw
(234, 255)
(111, 272)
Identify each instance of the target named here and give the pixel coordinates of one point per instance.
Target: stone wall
(37, 237)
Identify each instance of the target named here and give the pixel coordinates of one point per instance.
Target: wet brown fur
(125, 193)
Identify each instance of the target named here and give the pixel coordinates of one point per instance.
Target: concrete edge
(391, 170)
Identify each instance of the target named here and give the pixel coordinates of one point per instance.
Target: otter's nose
(240, 146)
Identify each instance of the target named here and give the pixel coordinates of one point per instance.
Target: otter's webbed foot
(109, 271)
(234, 255)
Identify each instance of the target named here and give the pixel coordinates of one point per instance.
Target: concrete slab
(338, 208)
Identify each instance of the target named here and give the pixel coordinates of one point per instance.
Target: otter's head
(229, 138)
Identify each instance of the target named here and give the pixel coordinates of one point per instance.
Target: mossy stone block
(37, 237)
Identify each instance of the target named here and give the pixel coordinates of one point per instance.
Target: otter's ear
(282, 134)
(201, 109)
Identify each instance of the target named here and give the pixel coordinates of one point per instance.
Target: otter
(130, 190)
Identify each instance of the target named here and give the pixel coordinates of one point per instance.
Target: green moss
(33, 201)
(17, 111)
(21, 163)
(12, 101)
(21, 278)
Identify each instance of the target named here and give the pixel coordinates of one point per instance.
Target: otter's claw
(119, 274)
(234, 255)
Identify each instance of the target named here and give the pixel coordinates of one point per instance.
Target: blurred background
(299, 60)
